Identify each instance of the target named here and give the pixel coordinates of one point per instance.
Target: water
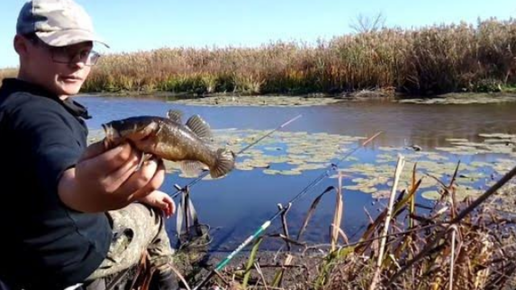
(241, 202)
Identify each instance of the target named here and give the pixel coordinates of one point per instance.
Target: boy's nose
(77, 63)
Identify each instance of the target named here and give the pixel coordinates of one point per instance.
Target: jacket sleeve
(43, 131)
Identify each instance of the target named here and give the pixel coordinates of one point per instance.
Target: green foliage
(251, 261)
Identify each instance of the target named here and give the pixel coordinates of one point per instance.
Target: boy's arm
(91, 180)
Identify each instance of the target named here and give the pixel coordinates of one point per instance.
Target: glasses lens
(62, 55)
(93, 57)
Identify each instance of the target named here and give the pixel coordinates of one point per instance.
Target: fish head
(134, 129)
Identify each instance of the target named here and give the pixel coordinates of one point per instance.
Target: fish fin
(225, 163)
(199, 127)
(192, 168)
(175, 115)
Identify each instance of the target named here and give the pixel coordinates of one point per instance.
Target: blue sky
(130, 25)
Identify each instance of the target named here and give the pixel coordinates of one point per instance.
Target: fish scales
(171, 140)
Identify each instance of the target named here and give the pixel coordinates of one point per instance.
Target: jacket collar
(12, 85)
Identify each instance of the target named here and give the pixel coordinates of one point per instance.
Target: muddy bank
(299, 270)
(259, 101)
(221, 100)
(360, 96)
(464, 99)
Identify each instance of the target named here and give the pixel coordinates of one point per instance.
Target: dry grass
(450, 245)
(429, 60)
(8, 73)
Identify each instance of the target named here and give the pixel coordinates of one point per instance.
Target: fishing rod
(180, 189)
(200, 177)
(281, 209)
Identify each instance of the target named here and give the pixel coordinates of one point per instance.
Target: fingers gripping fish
(169, 139)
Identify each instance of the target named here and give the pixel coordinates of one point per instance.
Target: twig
(260, 272)
(180, 277)
(284, 223)
(342, 234)
(222, 278)
(457, 219)
(337, 216)
(452, 260)
(373, 239)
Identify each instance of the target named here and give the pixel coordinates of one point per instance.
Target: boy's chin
(68, 90)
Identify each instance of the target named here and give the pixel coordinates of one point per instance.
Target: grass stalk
(251, 261)
(397, 174)
(452, 258)
(337, 217)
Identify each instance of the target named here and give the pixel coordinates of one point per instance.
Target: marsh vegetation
(424, 61)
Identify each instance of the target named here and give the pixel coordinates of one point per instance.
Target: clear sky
(131, 25)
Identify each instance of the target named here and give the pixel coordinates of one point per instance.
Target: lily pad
(431, 195)
(271, 171)
(289, 172)
(497, 135)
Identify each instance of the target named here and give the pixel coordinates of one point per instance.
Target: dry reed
(430, 60)
(446, 246)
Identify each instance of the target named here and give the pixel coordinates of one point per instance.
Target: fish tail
(225, 163)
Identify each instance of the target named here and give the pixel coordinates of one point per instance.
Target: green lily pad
(431, 195)
(271, 171)
(289, 172)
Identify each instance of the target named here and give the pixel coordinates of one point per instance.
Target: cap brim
(69, 37)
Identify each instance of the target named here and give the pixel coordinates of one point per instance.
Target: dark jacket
(44, 244)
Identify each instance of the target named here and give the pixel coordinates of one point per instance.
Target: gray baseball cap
(57, 22)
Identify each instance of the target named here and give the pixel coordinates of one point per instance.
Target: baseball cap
(56, 22)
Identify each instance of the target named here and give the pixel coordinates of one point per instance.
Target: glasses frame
(90, 60)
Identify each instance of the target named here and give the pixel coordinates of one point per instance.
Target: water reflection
(404, 124)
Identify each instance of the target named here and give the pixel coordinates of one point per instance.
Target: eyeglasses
(66, 54)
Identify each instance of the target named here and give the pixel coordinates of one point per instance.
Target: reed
(8, 73)
(425, 61)
(454, 244)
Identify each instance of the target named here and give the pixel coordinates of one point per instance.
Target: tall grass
(8, 73)
(450, 244)
(425, 61)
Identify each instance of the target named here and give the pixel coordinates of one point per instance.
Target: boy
(70, 214)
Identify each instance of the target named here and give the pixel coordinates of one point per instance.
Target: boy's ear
(20, 45)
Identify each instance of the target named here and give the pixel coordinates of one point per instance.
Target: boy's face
(61, 70)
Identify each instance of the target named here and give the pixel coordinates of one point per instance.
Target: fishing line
(281, 209)
(185, 189)
(200, 177)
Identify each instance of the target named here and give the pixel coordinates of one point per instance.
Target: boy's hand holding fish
(168, 138)
(111, 173)
(107, 178)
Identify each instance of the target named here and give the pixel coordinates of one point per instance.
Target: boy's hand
(161, 200)
(105, 179)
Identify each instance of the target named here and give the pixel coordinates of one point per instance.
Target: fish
(168, 138)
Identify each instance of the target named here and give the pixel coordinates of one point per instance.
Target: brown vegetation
(426, 61)
(452, 244)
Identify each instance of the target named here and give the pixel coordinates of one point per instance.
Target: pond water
(238, 204)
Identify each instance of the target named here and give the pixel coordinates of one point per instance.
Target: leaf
(311, 211)
(250, 262)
